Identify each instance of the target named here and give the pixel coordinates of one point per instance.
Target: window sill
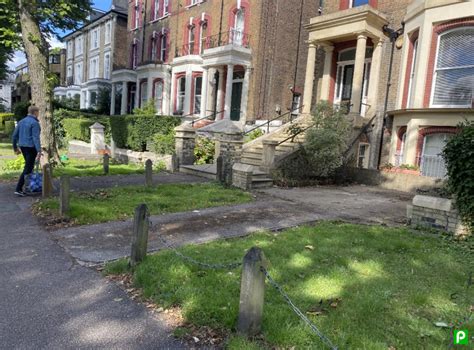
(160, 18)
(193, 5)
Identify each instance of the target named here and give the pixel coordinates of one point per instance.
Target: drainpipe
(393, 36)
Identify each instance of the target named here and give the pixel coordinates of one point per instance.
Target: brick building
(431, 86)
(234, 59)
(93, 51)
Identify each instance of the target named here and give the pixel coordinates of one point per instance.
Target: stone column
(269, 154)
(205, 85)
(212, 91)
(411, 142)
(97, 138)
(123, 105)
(374, 77)
(112, 100)
(185, 141)
(245, 96)
(228, 91)
(309, 80)
(220, 94)
(358, 80)
(328, 50)
(230, 149)
(187, 97)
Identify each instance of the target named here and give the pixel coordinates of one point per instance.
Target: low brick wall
(436, 213)
(390, 180)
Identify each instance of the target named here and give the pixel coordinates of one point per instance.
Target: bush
(164, 144)
(9, 127)
(255, 134)
(4, 117)
(20, 110)
(204, 151)
(133, 132)
(16, 164)
(459, 157)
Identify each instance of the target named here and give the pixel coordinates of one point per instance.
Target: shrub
(103, 101)
(4, 117)
(327, 140)
(459, 157)
(255, 134)
(134, 132)
(79, 128)
(16, 164)
(204, 151)
(20, 110)
(9, 127)
(148, 109)
(164, 143)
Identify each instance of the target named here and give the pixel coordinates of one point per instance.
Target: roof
(120, 12)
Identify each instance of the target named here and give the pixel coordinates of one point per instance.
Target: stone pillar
(185, 141)
(269, 153)
(411, 142)
(212, 90)
(204, 90)
(309, 80)
(220, 94)
(97, 138)
(123, 105)
(228, 91)
(187, 97)
(245, 96)
(374, 77)
(230, 150)
(112, 100)
(358, 80)
(325, 86)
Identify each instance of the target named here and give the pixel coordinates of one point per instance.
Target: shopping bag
(34, 181)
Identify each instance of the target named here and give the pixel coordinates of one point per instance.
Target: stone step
(252, 155)
(250, 161)
(262, 183)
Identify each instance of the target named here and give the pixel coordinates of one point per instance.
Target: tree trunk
(37, 54)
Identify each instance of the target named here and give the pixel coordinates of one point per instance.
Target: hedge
(4, 117)
(134, 131)
(79, 128)
(9, 127)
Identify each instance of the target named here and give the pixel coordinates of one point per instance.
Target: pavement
(274, 209)
(48, 301)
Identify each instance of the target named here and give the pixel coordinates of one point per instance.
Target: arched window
(454, 70)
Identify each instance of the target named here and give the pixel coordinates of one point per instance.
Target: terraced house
(404, 69)
(93, 51)
(241, 60)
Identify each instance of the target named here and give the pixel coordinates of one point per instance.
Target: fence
(252, 287)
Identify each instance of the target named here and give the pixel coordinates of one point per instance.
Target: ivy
(459, 157)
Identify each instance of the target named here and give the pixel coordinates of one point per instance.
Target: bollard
(47, 185)
(252, 290)
(106, 164)
(141, 224)
(149, 173)
(64, 196)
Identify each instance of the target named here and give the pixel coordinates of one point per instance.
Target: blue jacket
(27, 133)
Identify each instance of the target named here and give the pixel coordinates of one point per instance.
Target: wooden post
(47, 185)
(141, 224)
(252, 290)
(106, 164)
(149, 173)
(64, 196)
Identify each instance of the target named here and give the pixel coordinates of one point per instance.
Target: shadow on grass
(393, 285)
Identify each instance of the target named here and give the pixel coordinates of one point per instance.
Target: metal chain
(231, 266)
(297, 311)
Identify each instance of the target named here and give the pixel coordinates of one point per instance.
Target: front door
(347, 74)
(236, 101)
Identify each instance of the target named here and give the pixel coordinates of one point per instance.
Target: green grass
(72, 167)
(393, 283)
(120, 202)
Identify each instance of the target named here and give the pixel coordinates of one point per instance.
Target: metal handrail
(364, 129)
(271, 120)
(294, 135)
(206, 117)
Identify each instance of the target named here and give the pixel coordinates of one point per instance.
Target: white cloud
(20, 58)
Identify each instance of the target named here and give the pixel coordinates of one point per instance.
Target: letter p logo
(461, 337)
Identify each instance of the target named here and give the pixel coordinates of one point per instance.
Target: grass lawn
(73, 167)
(120, 202)
(393, 285)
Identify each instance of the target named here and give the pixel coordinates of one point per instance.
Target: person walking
(26, 141)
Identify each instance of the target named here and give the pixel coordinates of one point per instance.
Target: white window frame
(107, 64)
(108, 32)
(95, 34)
(78, 45)
(435, 74)
(180, 95)
(411, 80)
(134, 56)
(166, 8)
(69, 50)
(154, 48)
(143, 93)
(195, 111)
(158, 99)
(78, 74)
(191, 30)
(94, 67)
(365, 156)
(163, 48)
(137, 14)
(156, 15)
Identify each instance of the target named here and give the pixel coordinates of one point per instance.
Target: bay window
(454, 69)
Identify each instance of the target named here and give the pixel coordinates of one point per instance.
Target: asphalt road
(47, 301)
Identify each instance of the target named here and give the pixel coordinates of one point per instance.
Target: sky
(19, 56)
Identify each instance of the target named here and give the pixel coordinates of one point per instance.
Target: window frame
(108, 32)
(435, 70)
(164, 48)
(180, 94)
(107, 56)
(195, 94)
(159, 110)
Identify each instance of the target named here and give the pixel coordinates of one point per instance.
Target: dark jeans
(29, 153)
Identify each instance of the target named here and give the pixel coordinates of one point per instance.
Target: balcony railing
(232, 37)
(433, 166)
